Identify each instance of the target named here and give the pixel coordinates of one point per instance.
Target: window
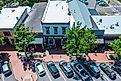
(47, 30)
(63, 30)
(7, 33)
(12, 41)
(55, 30)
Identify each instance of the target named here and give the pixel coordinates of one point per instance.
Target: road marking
(61, 73)
(3, 79)
(47, 72)
(118, 75)
(93, 79)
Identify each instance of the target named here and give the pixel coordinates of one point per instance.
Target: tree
(116, 46)
(1, 40)
(23, 37)
(79, 41)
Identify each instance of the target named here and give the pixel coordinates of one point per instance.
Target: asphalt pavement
(49, 77)
(9, 78)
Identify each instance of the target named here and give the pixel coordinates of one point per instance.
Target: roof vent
(62, 7)
(111, 27)
(117, 24)
(56, 5)
(69, 12)
(100, 20)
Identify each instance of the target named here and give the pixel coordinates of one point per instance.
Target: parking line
(61, 73)
(47, 72)
(118, 75)
(3, 79)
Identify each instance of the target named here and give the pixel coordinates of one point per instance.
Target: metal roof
(80, 13)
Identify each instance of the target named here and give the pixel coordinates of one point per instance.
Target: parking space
(9, 78)
(49, 77)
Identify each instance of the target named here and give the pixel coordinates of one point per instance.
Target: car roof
(94, 68)
(5, 67)
(54, 69)
(40, 67)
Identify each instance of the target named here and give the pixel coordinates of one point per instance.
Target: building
(54, 22)
(34, 22)
(110, 24)
(9, 19)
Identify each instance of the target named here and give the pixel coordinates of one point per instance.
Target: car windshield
(5, 67)
(54, 69)
(67, 68)
(38, 63)
(84, 73)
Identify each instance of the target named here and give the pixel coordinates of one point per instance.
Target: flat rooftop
(56, 12)
(111, 24)
(10, 16)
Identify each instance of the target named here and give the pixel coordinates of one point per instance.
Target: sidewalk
(17, 66)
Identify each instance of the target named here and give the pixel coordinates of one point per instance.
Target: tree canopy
(23, 37)
(79, 40)
(116, 46)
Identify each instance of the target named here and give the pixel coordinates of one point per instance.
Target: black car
(53, 69)
(80, 71)
(6, 69)
(108, 71)
(117, 67)
(92, 68)
(66, 69)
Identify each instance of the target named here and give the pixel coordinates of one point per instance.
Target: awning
(99, 41)
(108, 41)
(37, 41)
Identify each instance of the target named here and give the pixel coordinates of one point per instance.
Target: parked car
(92, 68)
(6, 69)
(1, 67)
(108, 71)
(117, 67)
(40, 69)
(66, 69)
(53, 69)
(80, 71)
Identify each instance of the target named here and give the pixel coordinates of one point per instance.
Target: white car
(40, 68)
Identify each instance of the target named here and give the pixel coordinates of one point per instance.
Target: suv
(108, 71)
(117, 67)
(6, 69)
(92, 68)
(40, 68)
(81, 72)
(66, 69)
(53, 69)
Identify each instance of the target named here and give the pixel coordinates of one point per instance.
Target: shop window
(55, 30)
(47, 30)
(51, 41)
(7, 33)
(63, 30)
